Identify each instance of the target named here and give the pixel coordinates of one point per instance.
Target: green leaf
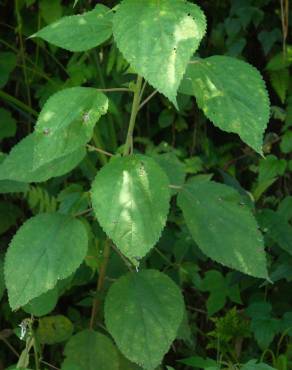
(54, 329)
(254, 365)
(220, 289)
(174, 169)
(18, 165)
(136, 189)
(50, 10)
(7, 64)
(263, 325)
(66, 123)
(286, 142)
(277, 228)
(232, 95)
(89, 350)
(170, 32)
(42, 305)
(143, 312)
(271, 167)
(223, 226)
(7, 124)
(80, 32)
(7, 186)
(280, 82)
(40, 250)
(9, 214)
(2, 282)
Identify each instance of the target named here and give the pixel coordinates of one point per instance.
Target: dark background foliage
(248, 318)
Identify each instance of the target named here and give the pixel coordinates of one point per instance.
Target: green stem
(111, 126)
(36, 356)
(135, 108)
(22, 51)
(100, 283)
(98, 143)
(13, 101)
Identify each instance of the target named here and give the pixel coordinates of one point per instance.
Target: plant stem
(115, 89)
(13, 101)
(112, 132)
(36, 357)
(22, 51)
(100, 282)
(93, 148)
(98, 143)
(135, 108)
(147, 99)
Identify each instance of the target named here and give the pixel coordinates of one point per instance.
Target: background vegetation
(231, 318)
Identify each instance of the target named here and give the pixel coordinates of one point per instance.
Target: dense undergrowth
(207, 295)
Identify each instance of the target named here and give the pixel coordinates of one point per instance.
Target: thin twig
(100, 283)
(115, 89)
(83, 212)
(147, 99)
(9, 346)
(91, 147)
(50, 365)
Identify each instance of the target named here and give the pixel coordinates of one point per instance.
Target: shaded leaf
(40, 249)
(54, 329)
(223, 227)
(18, 165)
(89, 350)
(143, 312)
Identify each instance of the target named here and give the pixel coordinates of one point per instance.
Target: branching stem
(135, 109)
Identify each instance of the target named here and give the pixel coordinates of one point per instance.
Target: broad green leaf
(174, 169)
(271, 167)
(42, 305)
(285, 208)
(232, 95)
(50, 10)
(89, 350)
(263, 324)
(54, 329)
(198, 362)
(130, 198)
(7, 64)
(66, 123)
(254, 365)
(7, 186)
(223, 226)
(158, 39)
(220, 289)
(143, 312)
(280, 82)
(286, 142)
(18, 165)
(7, 124)
(47, 248)
(9, 214)
(80, 32)
(277, 228)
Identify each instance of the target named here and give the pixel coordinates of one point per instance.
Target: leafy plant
(94, 190)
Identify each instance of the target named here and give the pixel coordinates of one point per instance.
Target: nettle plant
(131, 193)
